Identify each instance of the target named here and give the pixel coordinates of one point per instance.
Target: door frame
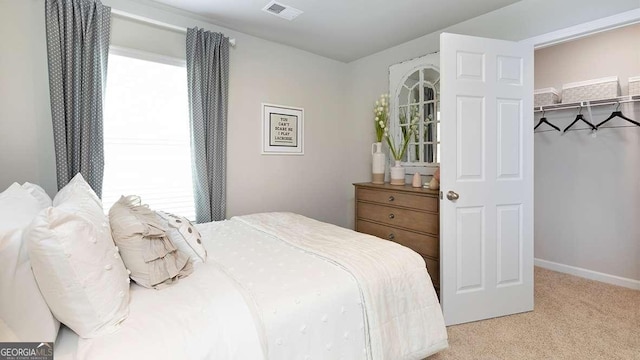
(575, 32)
(631, 17)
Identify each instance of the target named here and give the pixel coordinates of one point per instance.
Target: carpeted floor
(574, 318)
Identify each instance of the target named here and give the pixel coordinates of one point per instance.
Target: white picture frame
(282, 130)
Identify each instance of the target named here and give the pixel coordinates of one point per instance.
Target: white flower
(381, 124)
(377, 103)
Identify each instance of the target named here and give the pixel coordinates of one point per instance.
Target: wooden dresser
(406, 215)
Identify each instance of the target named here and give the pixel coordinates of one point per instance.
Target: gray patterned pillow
(185, 236)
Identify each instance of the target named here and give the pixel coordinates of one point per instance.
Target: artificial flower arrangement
(408, 128)
(381, 119)
(407, 132)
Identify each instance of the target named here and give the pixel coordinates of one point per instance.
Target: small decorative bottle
(417, 180)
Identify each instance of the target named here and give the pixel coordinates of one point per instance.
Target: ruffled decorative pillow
(184, 235)
(148, 253)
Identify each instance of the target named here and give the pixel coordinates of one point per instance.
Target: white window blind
(147, 134)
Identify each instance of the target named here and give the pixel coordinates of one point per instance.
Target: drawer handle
(391, 216)
(391, 198)
(391, 236)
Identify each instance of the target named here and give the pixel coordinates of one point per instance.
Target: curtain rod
(165, 25)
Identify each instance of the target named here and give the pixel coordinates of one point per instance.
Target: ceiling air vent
(281, 10)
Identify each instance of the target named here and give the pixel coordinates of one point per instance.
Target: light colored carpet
(574, 318)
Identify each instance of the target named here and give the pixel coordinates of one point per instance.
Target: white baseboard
(588, 274)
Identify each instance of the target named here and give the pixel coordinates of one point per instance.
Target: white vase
(378, 163)
(397, 174)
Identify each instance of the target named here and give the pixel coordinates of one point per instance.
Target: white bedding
(202, 316)
(402, 313)
(261, 297)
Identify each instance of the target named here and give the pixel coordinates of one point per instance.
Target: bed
(273, 286)
(281, 286)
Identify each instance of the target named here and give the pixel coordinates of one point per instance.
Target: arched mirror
(414, 92)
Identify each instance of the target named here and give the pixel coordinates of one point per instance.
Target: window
(415, 92)
(147, 132)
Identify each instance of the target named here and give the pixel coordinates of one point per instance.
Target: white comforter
(281, 286)
(402, 316)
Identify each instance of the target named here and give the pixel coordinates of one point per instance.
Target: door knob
(452, 195)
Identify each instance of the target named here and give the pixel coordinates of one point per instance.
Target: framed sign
(282, 130)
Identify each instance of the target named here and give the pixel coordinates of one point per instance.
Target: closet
(587, 161)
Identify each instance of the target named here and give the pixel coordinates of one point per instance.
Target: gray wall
(26, 138)
(587, 190)
(337, 98)
(611, 53)
(261, 71)
(522, 20)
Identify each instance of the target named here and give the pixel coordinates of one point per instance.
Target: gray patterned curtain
(208, 78)
(77, 50)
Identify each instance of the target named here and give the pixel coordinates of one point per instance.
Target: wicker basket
(634, 85)
(596, 89)
(546, 96)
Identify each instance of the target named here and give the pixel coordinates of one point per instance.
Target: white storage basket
(596, 89)
(634, 85)
(546, 96)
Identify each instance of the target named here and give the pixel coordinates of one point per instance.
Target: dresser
(406, 215)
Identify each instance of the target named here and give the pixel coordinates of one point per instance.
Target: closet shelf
(577, 105)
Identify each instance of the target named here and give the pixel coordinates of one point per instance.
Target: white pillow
(76, 263)
(23, 310)
(184, 235)
(80, 193)
(17, 208)
(38, 193)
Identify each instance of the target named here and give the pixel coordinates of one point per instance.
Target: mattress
(258, 296)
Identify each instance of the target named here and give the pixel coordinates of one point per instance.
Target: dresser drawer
(422, 244)
(409, 219)
(420, 202)
(433, 268)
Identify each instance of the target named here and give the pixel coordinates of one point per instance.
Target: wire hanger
(580, 117)
(543, 119)
(618, 113)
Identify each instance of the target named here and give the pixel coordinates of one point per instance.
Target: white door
(487, 164)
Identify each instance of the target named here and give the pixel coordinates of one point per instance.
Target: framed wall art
(282, 130)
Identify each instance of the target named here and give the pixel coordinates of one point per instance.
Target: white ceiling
(344, 30)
